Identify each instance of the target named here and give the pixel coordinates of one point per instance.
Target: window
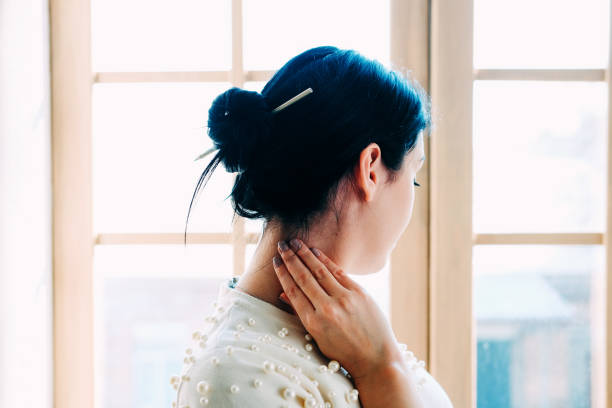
(502, 270)
(153, 88)
(526, 170)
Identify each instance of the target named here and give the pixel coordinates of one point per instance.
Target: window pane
(177, 35)
(277, 30)
(539, 313)
(148, 299)
(145, 139)
(141, 327)
(377, 285)
(539, 156)
(541, 34)
(164, 261)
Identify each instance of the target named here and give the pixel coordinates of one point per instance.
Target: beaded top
(251, 353)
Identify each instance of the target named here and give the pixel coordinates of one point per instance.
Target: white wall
(25, 206)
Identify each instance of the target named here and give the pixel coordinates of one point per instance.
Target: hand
(346, 323)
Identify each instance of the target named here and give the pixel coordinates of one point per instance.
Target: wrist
(391, 362)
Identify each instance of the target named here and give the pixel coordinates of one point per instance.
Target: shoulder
(232, 377)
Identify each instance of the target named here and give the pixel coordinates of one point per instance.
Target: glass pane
(277, 30)
(539, 316)
(141, 325)
(159, 261)
(541, 34)
(145, 139)
(539, 156)
(179, 35)
(377, 285)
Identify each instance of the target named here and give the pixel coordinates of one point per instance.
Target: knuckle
(292, 292)
(301, 278)
(346, 302)
(319, 273)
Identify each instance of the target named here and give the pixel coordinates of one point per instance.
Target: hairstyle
(290, 163)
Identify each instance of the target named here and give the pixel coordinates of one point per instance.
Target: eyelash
(416, 184)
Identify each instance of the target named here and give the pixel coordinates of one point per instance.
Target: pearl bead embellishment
(288, 393)
(333, 366)
(203, 387)
(310, 402)
(352, 395)
(268, 366)
(255, 330)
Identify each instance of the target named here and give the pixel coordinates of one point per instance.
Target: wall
(25, 206)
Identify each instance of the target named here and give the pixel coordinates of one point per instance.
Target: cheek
(406, 201)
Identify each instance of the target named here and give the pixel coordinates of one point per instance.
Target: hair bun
(237, 121)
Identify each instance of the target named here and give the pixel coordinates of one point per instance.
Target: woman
(327, 153)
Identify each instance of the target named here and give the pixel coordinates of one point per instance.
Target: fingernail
(295, 244)
(315, 251)
(283, 246)
(277, 261)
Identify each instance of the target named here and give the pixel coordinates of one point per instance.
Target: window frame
(73, 235)
(453, 348)
(431, 266)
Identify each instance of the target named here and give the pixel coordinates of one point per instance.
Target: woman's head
(297, 164)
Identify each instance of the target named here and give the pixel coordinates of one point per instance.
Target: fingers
(318, 269)
(302, 276)
(338, 272)
(299, 301)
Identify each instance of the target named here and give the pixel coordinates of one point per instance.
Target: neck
(260, 280)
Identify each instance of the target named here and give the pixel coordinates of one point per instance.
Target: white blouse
(253, 354)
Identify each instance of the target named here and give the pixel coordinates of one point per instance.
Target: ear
(368, 170)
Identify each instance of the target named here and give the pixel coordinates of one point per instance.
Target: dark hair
(290, 162)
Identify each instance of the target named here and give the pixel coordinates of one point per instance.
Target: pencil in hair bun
(238, 120)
